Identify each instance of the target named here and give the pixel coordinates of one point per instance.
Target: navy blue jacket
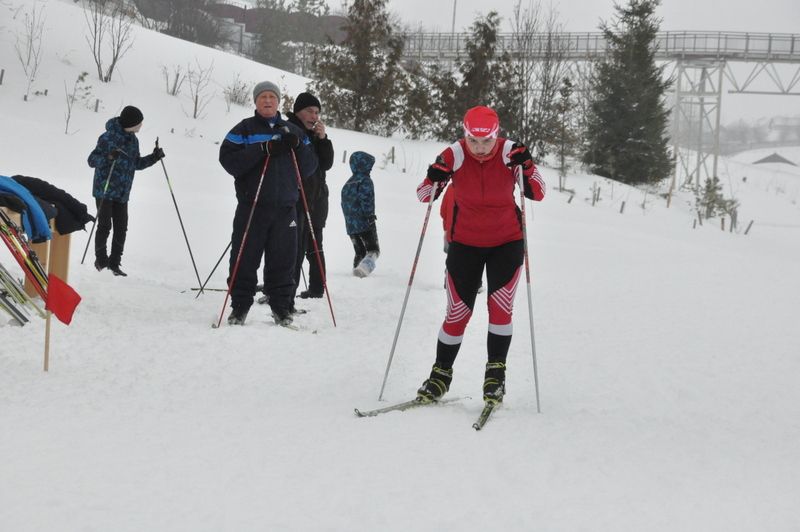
(242, 157)
(119, 186)
(358, 195)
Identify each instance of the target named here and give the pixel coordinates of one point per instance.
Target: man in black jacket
(306, 115)
(262, 145)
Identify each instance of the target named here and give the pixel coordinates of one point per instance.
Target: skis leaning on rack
(13, 299)
(17, 242)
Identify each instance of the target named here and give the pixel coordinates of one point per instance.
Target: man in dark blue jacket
(306, 115)
(265, 141)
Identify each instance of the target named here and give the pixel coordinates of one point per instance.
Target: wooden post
(59, 255)
(571, 196)
(2, 75)
(344, 156)
(622, 208)
(749, 226)
(47, 341)
(96, 104)
(722, 221)
(392, 152)
(694, 223)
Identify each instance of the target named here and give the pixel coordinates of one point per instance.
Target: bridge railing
(592, 45)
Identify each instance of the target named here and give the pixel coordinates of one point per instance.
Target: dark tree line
(618, 130)
(368, 88)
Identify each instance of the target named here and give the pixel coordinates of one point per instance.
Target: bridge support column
(695, 117)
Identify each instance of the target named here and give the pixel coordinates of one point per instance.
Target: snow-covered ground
(668, 356)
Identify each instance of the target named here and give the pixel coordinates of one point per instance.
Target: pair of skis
(416, 403)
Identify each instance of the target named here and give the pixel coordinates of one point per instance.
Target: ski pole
(313, 237)
(105, 188)
(244, 242)
(408, 289)
(200, 291)
(174, 202)
(518, 171)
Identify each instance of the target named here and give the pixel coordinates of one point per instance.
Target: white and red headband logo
(481, 121)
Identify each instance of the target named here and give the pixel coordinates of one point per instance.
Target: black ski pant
(305, 245)
(110, 215)
(319, 215)
(273, 235)
(366, 242)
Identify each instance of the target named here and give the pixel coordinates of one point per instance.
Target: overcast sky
(585, 15)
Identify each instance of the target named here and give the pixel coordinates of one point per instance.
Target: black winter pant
(110, 214)
(273, 235)
(366, 242)
(305, 245)
(319, 215)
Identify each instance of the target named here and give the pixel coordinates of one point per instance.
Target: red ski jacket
(485, 213)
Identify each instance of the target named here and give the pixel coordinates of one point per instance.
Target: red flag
(61, 299)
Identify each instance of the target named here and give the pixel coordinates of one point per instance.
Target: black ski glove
(158, 153)
(287, 142)
(439, 172)
(114, 154)
(520, 156)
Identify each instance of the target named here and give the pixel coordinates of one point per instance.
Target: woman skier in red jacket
(485, 232)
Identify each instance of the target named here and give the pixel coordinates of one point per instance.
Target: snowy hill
(667, 355)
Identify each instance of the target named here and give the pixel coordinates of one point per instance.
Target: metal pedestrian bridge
(699, 63)
(592, 46)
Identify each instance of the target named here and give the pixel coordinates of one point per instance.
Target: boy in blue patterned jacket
(358, 206)
(115, 159)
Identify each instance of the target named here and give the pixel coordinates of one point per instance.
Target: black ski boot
(282, 317)
(308, 294)
(116, 271)
(101, 264)
(237, 316)
(494, 383)
(436, 385)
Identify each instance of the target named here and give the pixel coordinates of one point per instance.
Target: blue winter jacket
(358, 194)
(34, 221)
(121, 181)
(242, 157)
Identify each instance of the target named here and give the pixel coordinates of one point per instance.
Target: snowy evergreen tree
(563, 134)
(487, 77)
(358, 81)
(627, 124)
(188, 20)
(312, 7)
(273, 33)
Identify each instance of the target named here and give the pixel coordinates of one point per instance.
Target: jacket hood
(361, 162)
(113, 126)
